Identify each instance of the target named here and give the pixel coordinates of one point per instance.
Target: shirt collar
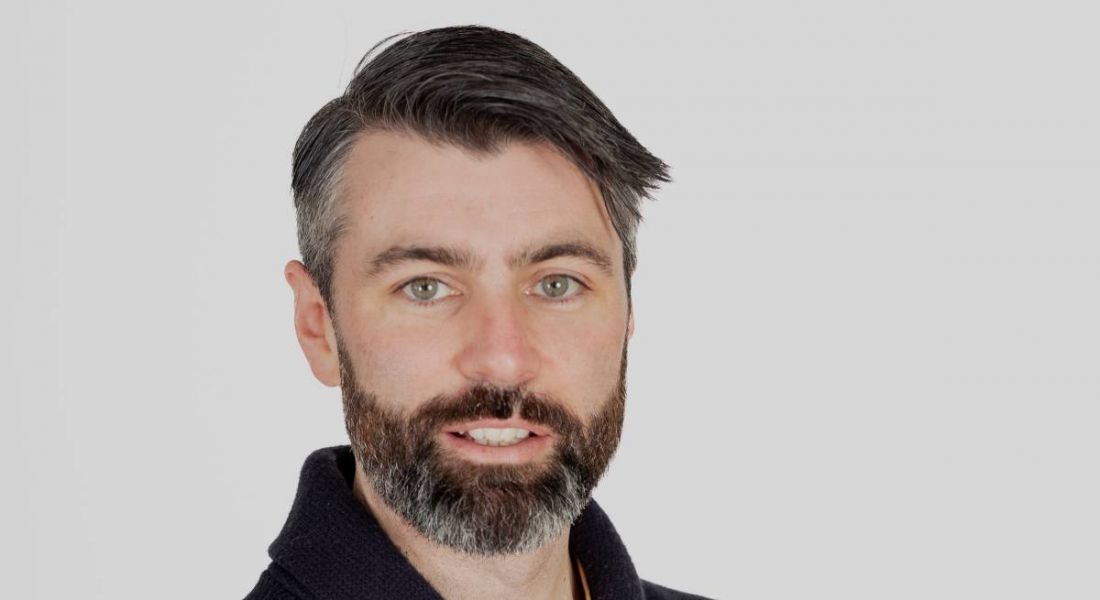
(332, 547)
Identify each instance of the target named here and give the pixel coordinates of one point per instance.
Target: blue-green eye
(558, 286)
(426, 289)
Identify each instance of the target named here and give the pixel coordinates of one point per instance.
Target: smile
(498, 441)
(496, 436)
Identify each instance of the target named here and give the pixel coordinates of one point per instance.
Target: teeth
(492, 436)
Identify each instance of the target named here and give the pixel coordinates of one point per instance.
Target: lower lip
(527, 450)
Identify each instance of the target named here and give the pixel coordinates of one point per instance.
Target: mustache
(488, 402)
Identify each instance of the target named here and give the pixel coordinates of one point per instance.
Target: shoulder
(657, 592)
(272, 586)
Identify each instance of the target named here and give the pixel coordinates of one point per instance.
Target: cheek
(582, 361)
(402, 365)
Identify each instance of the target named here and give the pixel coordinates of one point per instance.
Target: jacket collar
(332, 547)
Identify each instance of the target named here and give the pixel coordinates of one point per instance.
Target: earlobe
(630, 325)
(313, 325)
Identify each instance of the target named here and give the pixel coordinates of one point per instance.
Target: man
(466, 214)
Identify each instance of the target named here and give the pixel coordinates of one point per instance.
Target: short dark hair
(477, 88)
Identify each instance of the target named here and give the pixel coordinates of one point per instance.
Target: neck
(545, 574)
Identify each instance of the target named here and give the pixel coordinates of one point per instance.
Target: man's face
(476, 298)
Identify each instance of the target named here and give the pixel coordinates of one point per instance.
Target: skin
(493, 323)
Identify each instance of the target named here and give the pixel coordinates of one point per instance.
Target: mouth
(507, 441)
(495, 436)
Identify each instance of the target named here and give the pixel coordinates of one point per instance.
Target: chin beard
(480, 509)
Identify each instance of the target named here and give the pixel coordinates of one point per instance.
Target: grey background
(867, 331)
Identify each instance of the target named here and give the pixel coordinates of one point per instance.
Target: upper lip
(514, 423)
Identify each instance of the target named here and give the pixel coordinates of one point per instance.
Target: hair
(477, 88)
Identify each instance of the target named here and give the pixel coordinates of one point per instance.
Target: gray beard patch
(485, 512)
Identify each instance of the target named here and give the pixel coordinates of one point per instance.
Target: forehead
(400, 188)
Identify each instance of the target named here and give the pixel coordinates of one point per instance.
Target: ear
(630, 323)
(313, 325)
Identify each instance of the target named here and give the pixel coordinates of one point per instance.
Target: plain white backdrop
(868, 337)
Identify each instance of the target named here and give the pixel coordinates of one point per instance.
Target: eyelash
(583, 289)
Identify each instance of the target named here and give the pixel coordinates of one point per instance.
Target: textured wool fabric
(332, 548)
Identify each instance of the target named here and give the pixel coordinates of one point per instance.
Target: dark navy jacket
(332, 548)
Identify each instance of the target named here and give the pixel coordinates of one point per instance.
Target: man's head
(467, 212)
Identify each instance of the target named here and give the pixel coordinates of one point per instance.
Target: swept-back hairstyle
(477, 88)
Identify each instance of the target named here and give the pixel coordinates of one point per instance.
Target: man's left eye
(559, 286)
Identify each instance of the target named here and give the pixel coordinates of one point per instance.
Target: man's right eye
(426, 290)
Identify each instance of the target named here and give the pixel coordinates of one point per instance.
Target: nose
(497, 348)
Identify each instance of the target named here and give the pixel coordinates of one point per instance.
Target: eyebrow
(576, 249)
(461, 258)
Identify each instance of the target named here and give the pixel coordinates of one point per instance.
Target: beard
(476, 508)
